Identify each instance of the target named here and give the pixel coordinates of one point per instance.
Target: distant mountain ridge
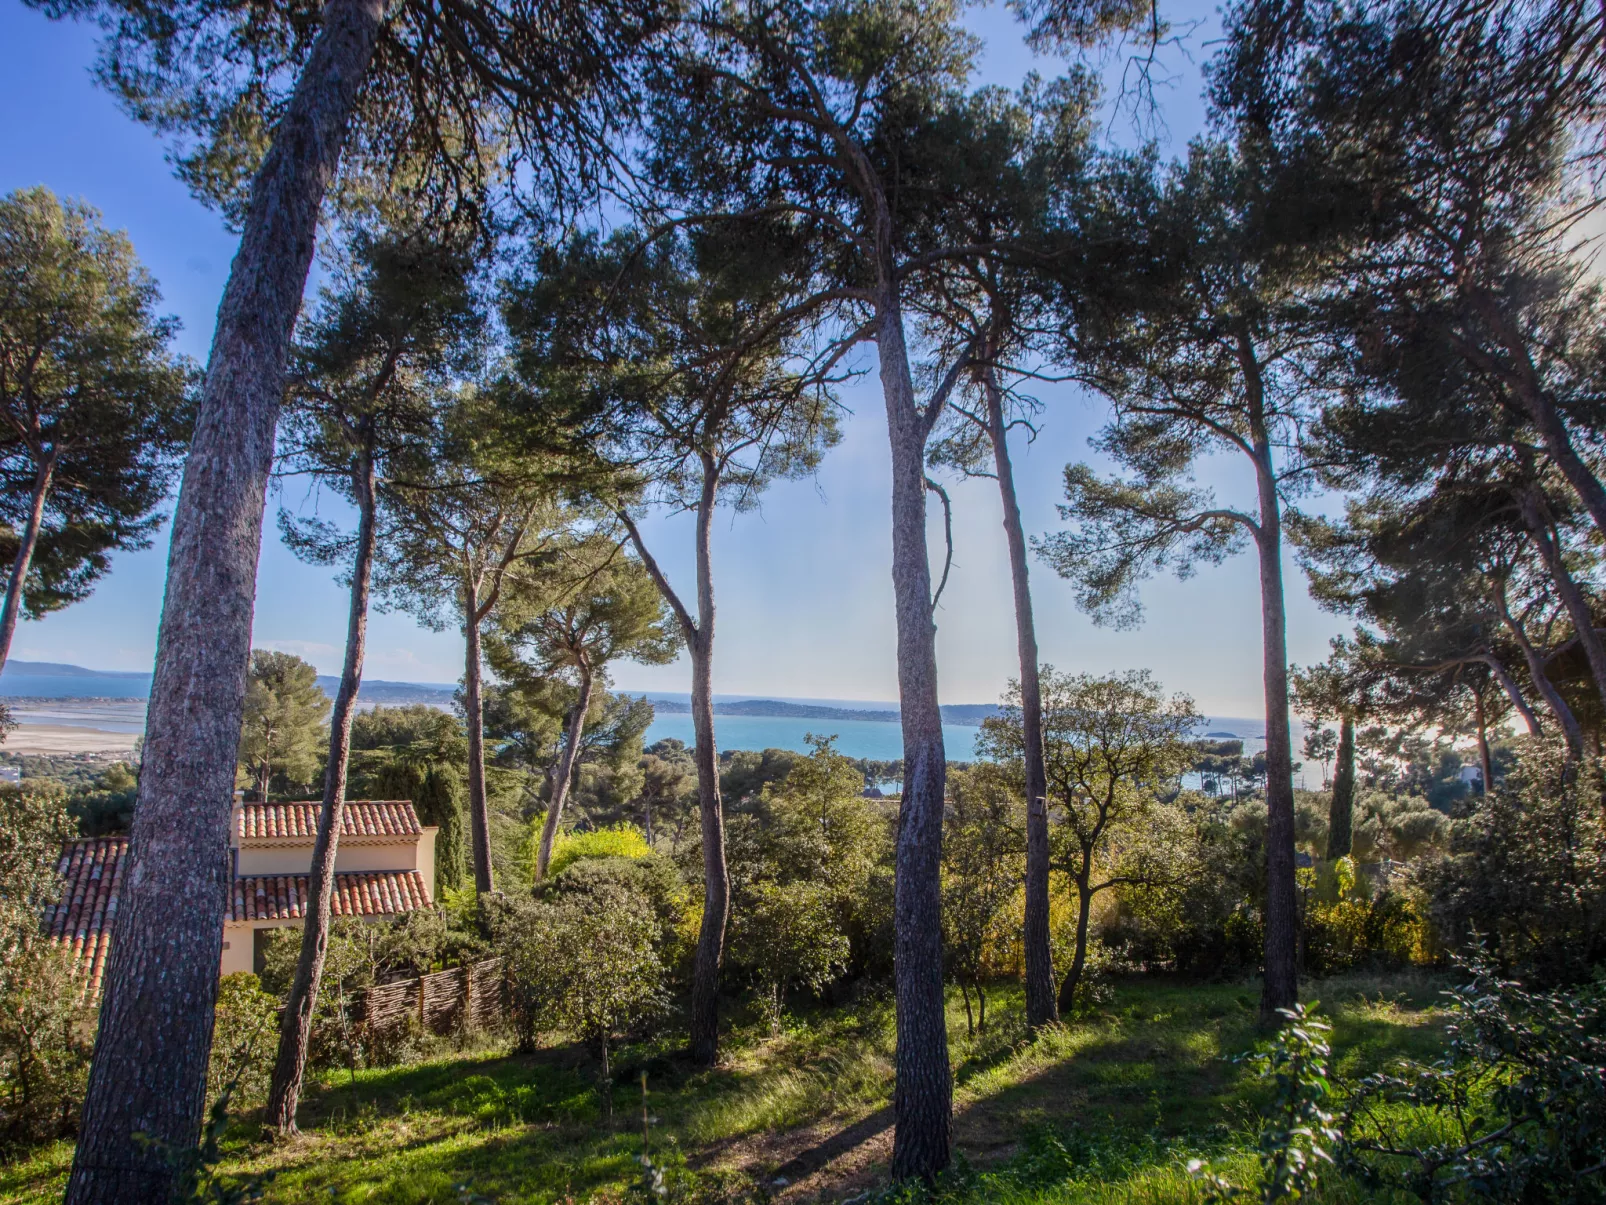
(59, 669)
(56, 679)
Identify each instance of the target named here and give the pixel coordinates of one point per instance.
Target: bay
(872, 739)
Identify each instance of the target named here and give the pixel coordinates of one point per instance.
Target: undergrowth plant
(1299, 1133)
(1518, 1098)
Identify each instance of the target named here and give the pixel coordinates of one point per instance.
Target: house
(384, 867)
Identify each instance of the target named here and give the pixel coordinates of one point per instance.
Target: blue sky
(804, 585)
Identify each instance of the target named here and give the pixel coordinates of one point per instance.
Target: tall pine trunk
(26, 544)
(1543, 536)
(564, 776)
(716, 874)
(295, 1023)
(147, 1085)
(1341, 807)
(1280, 986)
(1509, 684)
(1570, 727)
(923, 1094)
(1040, 1004)
(699, 633)
(479, 813)
(1540, 406)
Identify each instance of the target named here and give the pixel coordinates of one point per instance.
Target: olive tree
(1112, 746)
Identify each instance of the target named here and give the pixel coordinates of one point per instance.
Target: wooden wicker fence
(468, 997)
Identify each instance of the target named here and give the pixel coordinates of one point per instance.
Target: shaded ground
(1117, 1098)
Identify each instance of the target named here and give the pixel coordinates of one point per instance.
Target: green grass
(1104, 1110)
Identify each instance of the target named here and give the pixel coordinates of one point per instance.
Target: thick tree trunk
(716, 875)
(1509, 685)
(1570, 727)
(1341, 808)
(1543, 536)
(1040, 1005)
(923, 1096)
(479, 812)
(564, 776)
(295, 1023)
(1073, 978)
(1280, 987)
(25, 549)
(149, 1072)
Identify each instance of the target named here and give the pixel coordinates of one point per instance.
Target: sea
(872, 739)
(72, 696)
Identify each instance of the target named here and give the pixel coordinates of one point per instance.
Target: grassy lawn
(1104, 1110)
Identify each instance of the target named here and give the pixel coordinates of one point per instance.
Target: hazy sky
(804, 584)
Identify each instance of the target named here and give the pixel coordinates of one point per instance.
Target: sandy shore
(62, 738)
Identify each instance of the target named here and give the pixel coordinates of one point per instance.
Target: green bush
(1526, 874)
(1519, 1098)
(47, 1034)
(245, 1039)
(613, 841)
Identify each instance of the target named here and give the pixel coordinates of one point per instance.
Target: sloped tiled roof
(92, 874)
(357, 893)
(299, 821)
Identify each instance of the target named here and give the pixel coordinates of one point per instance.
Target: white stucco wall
(401, 854)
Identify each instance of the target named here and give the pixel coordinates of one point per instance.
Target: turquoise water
(874, 739)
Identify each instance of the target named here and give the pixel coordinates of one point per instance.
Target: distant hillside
(56, 669)
(970, 714)
(391, 694)
(56, 680)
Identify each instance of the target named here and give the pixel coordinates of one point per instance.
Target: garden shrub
(245, 1039)
(1519, 1100)
(47, 1034)
(611, 841)
(1526, 873)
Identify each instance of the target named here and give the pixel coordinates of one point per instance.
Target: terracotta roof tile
(299, 821)
(92, 875)
(357, 893)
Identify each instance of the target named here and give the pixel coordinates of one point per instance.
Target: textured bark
(564, 776)
(479, 814)
(716, 874)
(699, 633)
(295, 1023)
(1543, 537)
(1073, 977)
(1040, 1003)
(1341, 808)
(149, 1073)
(1509, 685)
(923, 1095)
(1570, 727)
(25, 548)
(1280, 987)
